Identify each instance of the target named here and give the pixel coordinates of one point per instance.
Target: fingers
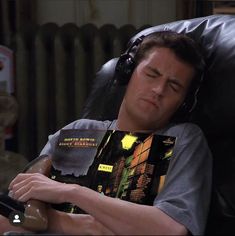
(21, 187)
(39, 187)
(22, 193)
(21, 177)
(18, 178)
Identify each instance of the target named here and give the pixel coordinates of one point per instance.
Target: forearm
(117, 215)
(75, 224)
(63, 223)
(123, 217)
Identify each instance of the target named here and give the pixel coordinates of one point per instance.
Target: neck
(128, 122)
(125, 123)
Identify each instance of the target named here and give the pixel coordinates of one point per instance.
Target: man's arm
(63, 223)
(117, 215)
(75, 224)
(122, 216)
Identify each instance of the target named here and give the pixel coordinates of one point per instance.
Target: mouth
(154, 103)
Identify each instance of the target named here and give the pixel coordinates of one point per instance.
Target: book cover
(119, 164)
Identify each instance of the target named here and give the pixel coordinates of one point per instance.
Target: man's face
(156, 89)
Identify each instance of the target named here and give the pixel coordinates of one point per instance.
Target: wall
(99, 12)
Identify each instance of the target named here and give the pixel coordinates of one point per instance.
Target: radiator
(54, 70)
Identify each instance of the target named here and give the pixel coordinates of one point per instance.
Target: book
(120, 164)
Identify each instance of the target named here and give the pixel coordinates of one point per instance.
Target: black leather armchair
(214, 113)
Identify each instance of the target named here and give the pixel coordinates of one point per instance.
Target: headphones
(126, 65)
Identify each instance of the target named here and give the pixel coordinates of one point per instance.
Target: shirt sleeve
(186, 194)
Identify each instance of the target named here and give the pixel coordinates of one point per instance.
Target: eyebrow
(172, 79)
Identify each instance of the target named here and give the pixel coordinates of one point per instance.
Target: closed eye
(175, 86)
(151, 75)
(152, 72)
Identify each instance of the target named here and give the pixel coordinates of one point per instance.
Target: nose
(159, 87)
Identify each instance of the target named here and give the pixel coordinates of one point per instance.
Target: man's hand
(38, 186)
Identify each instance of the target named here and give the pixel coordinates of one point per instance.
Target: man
(167, 67)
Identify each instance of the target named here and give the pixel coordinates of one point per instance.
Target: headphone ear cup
(184, 111)
(124, 69)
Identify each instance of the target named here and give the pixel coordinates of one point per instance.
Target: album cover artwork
(119, 164)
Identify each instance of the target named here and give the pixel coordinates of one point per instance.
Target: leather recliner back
(214, 113)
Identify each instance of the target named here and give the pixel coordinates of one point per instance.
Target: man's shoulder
(89, 124)
(183, 127)
(185, 131)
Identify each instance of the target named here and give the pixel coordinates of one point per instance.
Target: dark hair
(185, 48)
